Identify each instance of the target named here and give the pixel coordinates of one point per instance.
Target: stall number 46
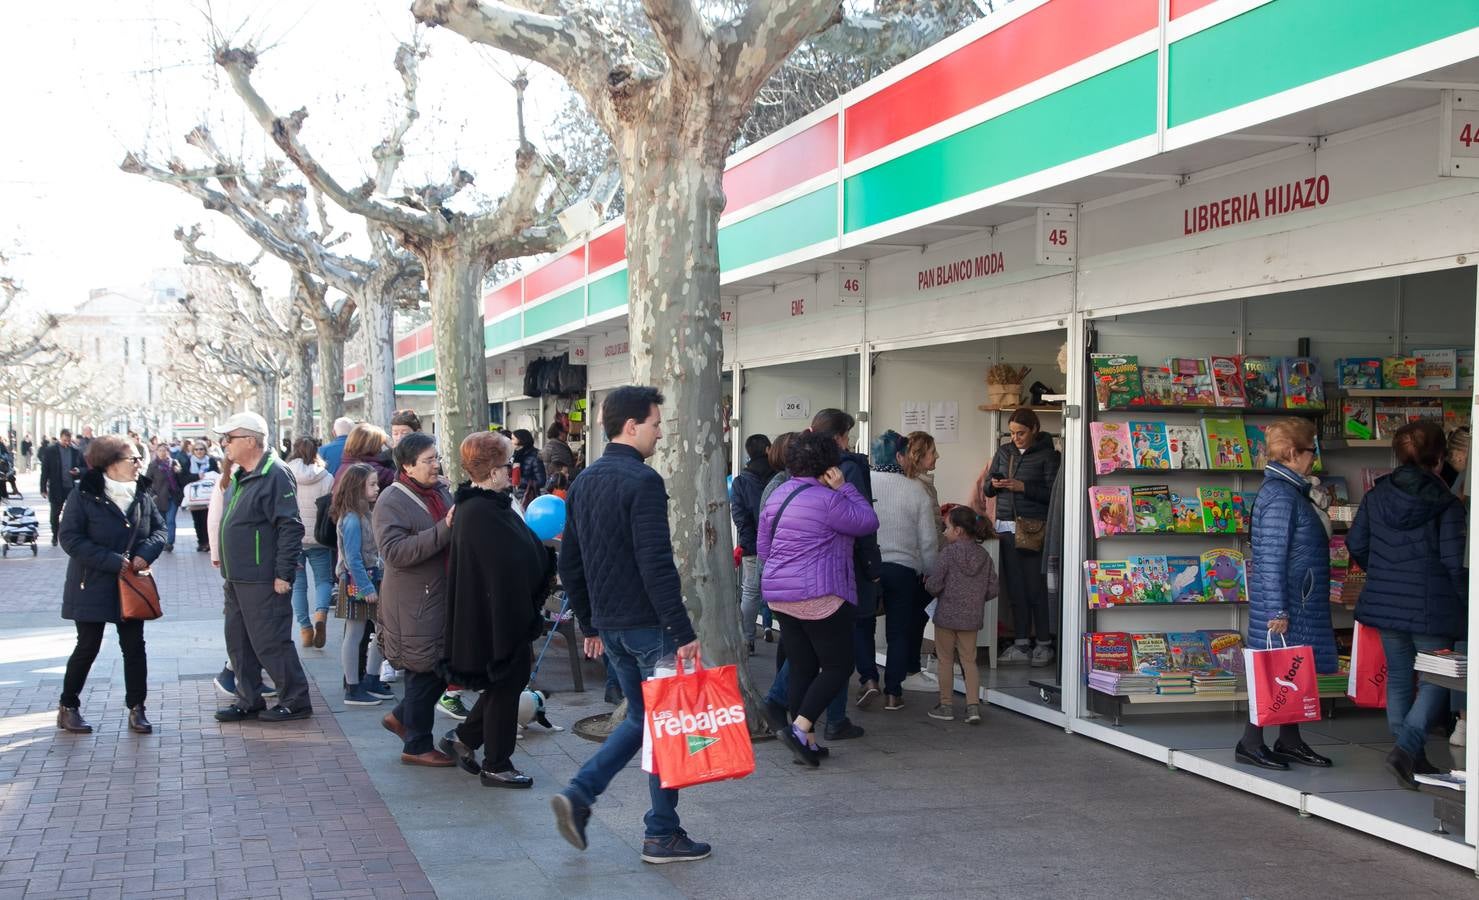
(1058, 237)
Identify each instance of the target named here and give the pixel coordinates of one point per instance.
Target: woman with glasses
(1288, 579)
(109, 521)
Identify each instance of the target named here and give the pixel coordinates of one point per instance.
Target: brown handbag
(1031, 533)
(137, 592)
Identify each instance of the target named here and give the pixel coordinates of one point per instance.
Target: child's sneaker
(973, 714)
(451, 705)
(943, 711)
(388, 673)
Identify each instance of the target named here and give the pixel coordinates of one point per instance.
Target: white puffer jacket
(313, 482)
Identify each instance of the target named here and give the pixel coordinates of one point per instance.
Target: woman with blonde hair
(367, 444)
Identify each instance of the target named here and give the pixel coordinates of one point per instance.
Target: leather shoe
(138, 723)
(69, 718)
(452, 746)
(1401, 764)
(512, 778)
(393, 725)
(433, 758)
(234, 713)
(847, 731)
(1263, 758)
(1302, 754)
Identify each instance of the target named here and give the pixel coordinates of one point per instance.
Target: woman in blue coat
(1288, 579)
(1409, 537)
(109, 509)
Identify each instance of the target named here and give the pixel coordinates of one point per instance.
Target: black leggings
(493, 723)
(202, 529)
(1027, 587)
(89, 641)
(821, 658)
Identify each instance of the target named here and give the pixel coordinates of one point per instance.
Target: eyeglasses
(1309, 450)
(134, 458)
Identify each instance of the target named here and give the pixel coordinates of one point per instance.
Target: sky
(90, 80)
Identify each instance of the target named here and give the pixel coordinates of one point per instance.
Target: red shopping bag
(695, 730)
(1281, 685)
(1367, 684)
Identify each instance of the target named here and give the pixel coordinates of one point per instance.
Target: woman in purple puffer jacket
(804, 542)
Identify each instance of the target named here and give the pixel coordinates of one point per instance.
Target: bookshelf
(1218, 411)
(1406, 393)
(987, 407)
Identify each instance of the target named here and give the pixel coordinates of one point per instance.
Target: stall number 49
(1058, 237)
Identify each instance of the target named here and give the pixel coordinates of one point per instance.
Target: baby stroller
(17, 529)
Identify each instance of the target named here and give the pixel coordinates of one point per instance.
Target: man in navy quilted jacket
(616, 564)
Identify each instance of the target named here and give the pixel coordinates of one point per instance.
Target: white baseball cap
(243, 421)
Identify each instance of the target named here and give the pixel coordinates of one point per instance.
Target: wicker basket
(1003, 394)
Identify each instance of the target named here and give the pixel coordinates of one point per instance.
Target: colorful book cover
(1223, 577)
(1257, 444)
(1186, 514)
(1369, 478)
(1391, 414)
(1148, 447)
(1335, 489)
(1218, 513)
(1107, 582)
(1465, 369)
(1109, 651)
(1358, 418)
(1437, 370)
(1185, 447)
(1186, 579)
(1359, 372)
(1242, 510)
(1191, 381)
(1150, 579)
(1151, 504)
(1111, 442)
(1399, 373)
(1456, 415)
(1111, 509)
(1149, 653)
(1227, 649)
(1299, 379)
(1261, 381)
(1155, 385)
(1190, 651)
(1419, 408)
(1227, 443)
(1116, 380)
(1227, 381)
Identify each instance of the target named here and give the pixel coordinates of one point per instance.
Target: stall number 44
(1058, 237)
(1469, 136)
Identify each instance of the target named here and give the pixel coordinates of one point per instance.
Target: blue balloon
(729, 483)
(546, 516)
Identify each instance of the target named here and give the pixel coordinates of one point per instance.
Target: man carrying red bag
(616, 564)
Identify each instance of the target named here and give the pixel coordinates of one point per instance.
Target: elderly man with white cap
(259, 544)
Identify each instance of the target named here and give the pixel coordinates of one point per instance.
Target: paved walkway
(322, 808)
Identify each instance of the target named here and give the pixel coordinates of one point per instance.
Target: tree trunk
(331, 375)
(673, 201)
(303, 390)
(454, 278)
(377, 313)
(267, 393)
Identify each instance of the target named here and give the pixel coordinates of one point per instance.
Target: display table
(1119, 701)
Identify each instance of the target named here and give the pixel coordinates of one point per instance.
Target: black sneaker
(226, 683)
(676, 847)
(571, 817)
(846, 731)
(280, 713)
(234, 713)
(775, 716)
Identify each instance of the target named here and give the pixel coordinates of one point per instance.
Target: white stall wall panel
(1438, 309)
(792, 319)
(522, 414)
(611, 364)
(821, 383)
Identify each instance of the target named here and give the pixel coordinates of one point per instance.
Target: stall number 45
(1058, 237)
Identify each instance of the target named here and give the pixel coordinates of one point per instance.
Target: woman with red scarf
(413, 528)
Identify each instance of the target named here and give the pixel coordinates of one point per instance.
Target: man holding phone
(61, 466)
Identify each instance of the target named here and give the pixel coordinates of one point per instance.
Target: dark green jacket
(261, 534)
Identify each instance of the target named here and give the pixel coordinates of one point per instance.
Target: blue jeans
(170, 511)
(1407, 715)
(779, 694)
(904, 600)
(321, 561)
(633, 653)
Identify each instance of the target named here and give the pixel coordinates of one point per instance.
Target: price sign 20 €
(1057, 236)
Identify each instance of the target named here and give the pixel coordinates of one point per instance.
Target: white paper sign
(792, 406)
(916, 417)
(945, 422)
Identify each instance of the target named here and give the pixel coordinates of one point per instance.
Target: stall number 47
(1058, 237)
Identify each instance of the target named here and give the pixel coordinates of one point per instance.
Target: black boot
(69, 718)
(1401, 764)
(138, 723)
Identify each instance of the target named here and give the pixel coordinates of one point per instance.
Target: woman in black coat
(108, 511)
(497, 579)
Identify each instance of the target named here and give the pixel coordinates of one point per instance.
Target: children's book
(1465, 367)
(1111, 442)
(1359, 372)
(1155, 385)
(1391, 414)
(1111, 509)
(1335, 489)
(1299, 379)
(1399, 373)
(1109, 651)
(1148, 448)
(1152, 507)
(1227, 381)
(1185, 447)
(1456, 415)
(1369, 477)
(1419, 408)
(1116, 380)
(1227, 443)
(1261, 381)
(1107, 582)
(1186, 579)
(1257, 444)
(1223, 577)
(1191, 381)
(1149, 653)
(1437, 370)
(1150, 580)
(1186, 514)
(1242, 510)
(1227, 649)
(1190, 651)
(1218, 513)
(1358, 417)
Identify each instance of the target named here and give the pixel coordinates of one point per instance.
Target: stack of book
(1172, 683)
(1109, 682)
(1334, 683)
(1215, 682)
(1442, 662)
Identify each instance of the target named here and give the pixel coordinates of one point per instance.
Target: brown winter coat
(412, 616)
(962, 579)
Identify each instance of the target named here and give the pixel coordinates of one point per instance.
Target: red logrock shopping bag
(1281, 685)
(695, 730)
(1367, 684)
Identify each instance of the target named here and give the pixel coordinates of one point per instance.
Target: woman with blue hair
(909, 540)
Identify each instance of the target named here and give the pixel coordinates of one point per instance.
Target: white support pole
(1075, 492)
(1471, 713)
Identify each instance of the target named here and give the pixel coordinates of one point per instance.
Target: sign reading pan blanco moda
(983, 266)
